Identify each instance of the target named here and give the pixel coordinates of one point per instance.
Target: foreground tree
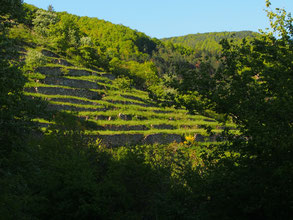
(11, 9)
(251, 175)
(16, 112)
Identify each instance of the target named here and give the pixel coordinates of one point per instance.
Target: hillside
(118, 116)
(103, 74)
(209, 41)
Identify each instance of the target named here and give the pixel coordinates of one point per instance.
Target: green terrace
(110, 113)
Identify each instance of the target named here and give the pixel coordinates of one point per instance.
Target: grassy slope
(135, 104)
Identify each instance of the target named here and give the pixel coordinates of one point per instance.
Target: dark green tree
(11, 8)
(250, 176)
(51, 8)
(65, 33)
(44, 21)
(16, 112)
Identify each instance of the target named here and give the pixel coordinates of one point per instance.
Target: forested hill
(84, 65)
(97, 44)
(208, 41)
(111, 39)
(150, 64)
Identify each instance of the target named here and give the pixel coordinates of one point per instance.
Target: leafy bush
(44, 21)
(65, 33)
(35, 59)
(143, 74)
(86, 41)
(123, 83)
(90, 57)
(64, 71)
(23, 33)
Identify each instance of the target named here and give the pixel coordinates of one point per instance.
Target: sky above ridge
(168, 18)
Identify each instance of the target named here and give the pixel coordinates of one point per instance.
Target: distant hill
(208, 41)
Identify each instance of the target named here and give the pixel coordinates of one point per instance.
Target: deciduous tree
(250, 176)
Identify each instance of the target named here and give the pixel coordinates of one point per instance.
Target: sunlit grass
(134, 103)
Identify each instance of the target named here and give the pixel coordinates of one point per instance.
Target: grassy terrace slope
(117, 117)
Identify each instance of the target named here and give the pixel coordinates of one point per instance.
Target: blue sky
(167, 18)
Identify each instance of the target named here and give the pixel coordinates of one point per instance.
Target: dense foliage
(253, 87)
(10, 9)
(63, 174)
(209, 43)
(16, 113)
(96, 43)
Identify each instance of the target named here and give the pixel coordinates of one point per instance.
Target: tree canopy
(253, 88)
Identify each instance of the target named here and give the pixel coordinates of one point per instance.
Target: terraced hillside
(115, 116)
